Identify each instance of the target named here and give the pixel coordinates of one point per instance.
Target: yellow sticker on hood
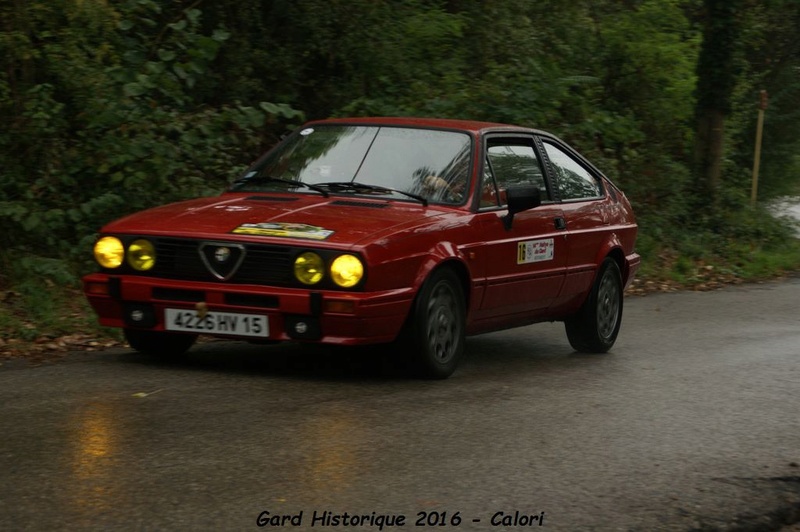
(282, 229)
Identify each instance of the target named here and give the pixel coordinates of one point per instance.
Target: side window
(510, 162)
(489, 195)
(574, 181)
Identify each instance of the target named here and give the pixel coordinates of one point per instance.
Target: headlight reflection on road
(333, 443)
(94, 442)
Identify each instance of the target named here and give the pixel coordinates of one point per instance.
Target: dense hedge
(109, 107)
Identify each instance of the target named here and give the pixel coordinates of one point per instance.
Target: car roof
(473, 126)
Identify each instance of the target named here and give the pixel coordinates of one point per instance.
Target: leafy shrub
(110, 119)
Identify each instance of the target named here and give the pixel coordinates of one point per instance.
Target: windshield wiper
(241, 182)
(364, 187)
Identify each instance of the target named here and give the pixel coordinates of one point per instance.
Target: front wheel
(436, 329)
(594, 328)
(163, 344)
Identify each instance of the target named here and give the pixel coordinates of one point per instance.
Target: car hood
(277, 217)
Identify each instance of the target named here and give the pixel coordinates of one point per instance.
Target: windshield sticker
(307, 131)
(287, 230)
(535, 251)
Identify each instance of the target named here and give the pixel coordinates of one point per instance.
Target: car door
(524, 263)
(586, 212)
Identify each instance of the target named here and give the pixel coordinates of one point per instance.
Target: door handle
(560, 223)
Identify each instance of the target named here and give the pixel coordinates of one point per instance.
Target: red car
(379, 230)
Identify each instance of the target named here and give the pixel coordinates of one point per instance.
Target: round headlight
(309, 268)
(109, 252)
(141, 255)
(347, 270)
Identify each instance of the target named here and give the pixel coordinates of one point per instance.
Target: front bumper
(333, 317)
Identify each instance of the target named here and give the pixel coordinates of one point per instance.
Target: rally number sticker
(283, 229)
(535, 251)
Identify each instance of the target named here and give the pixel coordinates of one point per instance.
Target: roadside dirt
(50, 349)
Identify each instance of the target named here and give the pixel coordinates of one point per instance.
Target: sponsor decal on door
(535, 251)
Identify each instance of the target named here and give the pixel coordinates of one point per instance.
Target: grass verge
(43, 315)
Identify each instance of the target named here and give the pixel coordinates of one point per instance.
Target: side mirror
(520, 198)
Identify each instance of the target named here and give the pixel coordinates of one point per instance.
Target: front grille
(194, 259)
(263, 264)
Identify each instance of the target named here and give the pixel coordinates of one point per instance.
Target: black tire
(435, 331)
(162, 344)
(594, 328)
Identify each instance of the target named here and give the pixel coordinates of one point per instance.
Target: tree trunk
(709, 145)
(716, 78)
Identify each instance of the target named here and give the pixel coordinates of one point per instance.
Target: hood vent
(270, 198)
(350, 203)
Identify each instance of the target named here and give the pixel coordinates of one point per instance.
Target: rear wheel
(436, 329)
(594, 328)
(163, 344)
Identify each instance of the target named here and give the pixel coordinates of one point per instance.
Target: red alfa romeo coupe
(417, 232)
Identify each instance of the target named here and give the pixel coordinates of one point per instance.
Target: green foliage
(771, 62)
(106, 118)
(45, 301)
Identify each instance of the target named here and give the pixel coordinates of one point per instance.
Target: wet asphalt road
(691, 421)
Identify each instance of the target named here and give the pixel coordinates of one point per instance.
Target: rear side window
(574, 182)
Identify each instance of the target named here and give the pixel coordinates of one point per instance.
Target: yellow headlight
(108, 252)
(309, 268)
(347, 270)
(141, 255)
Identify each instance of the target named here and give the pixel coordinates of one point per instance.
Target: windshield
(429, 165)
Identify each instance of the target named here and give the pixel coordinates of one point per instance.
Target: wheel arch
(461, 271)
(619, 257)
(446, 255)
(613, 249)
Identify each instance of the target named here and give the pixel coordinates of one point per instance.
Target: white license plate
(216, 323)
